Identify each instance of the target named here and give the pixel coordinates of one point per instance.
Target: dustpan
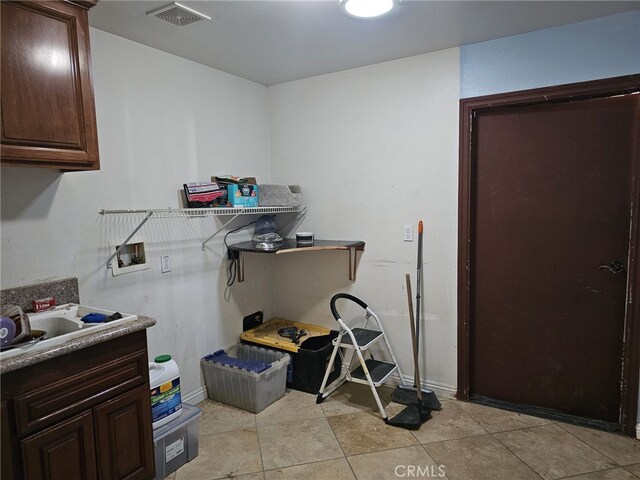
(406, 394)
(413, 416)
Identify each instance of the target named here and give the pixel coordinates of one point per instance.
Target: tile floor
(345, 438)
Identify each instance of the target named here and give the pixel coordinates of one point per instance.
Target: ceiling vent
(178, 14)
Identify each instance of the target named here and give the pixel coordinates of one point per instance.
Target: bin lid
(267, 334)
(222, 358)
(189, 413)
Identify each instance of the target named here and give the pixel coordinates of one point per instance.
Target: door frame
(469, 108)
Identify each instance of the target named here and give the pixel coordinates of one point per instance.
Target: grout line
(519, 428)
(259, 444)
(336, 438)
(590, 446)
(313, 462)
(434, 460)
(296, 420)
(516, 455)
(626, 469)
(595, 471)
(365, 453)
(487, 435)
(454, 438)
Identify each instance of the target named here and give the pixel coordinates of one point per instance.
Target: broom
(405, 394)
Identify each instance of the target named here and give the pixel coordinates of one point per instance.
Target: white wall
(162, 121)
(375, 148)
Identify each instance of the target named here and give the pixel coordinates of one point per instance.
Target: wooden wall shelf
(289, 245)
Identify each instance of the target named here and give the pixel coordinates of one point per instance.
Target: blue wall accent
(600, 48)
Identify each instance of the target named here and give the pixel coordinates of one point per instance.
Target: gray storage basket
(244, 389)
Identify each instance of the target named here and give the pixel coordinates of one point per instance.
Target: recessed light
(367, 8)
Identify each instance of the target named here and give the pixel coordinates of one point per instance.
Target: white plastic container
(176, 443)
(166, 401)
(242, 388)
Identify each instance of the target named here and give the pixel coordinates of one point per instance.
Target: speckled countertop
(40, 355)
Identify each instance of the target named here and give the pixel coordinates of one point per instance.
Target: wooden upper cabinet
(48, 110)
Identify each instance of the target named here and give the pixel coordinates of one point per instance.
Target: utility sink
(63, 323)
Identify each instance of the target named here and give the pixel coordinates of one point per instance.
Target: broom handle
(416, 366)
(419, 285)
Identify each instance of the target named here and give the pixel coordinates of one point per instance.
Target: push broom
(405, 394)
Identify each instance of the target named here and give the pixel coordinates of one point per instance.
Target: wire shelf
(204, 212)
(233, 213)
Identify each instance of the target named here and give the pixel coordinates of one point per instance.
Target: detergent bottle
(164, 378)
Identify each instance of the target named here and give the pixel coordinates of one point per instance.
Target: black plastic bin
(308, 365)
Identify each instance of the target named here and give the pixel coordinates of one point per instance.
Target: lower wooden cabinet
(83, 416)
(62, 452)
(122, 428)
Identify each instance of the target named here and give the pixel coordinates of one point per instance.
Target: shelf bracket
(124, 244)
(240, 267)
(352, 263)
(219, 230)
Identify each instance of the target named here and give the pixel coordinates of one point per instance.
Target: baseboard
(442, 390)
(196, 396)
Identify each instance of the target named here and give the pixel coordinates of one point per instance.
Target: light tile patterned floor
(344, 438)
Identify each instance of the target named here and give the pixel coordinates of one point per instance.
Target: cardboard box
(204, 195)
(243, 195)
(222, 181)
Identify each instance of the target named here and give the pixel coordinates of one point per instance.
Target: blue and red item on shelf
(205, 195)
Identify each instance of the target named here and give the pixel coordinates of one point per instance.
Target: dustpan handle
(416, 363)
(346, 296)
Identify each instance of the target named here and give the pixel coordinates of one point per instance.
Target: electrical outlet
(165, 264)
(407, 233)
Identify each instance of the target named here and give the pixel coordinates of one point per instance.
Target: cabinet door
(9, 449)
(61, 452)
(48, 112)
(125, 437)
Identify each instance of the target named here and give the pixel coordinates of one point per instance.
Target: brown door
(551, 189)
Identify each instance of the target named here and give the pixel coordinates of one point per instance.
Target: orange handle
(420, 226)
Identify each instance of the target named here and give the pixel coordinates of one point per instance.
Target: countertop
(37, 356)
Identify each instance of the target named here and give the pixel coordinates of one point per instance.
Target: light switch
(165, 264)
(407, 233)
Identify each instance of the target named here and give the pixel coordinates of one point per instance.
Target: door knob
(614, 266)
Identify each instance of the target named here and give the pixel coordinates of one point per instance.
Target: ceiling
(271, 42)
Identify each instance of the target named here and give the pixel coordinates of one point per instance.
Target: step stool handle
(346, 296)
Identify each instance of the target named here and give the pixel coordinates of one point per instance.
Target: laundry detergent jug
(164, 378)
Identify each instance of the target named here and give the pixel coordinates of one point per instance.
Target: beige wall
(375, 148)
(162, 121)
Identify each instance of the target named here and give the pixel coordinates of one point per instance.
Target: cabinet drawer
(47, 405)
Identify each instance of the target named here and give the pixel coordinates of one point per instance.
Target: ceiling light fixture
(367, 8)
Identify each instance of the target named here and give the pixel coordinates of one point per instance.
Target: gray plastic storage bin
(176, 442)
(245, 389)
